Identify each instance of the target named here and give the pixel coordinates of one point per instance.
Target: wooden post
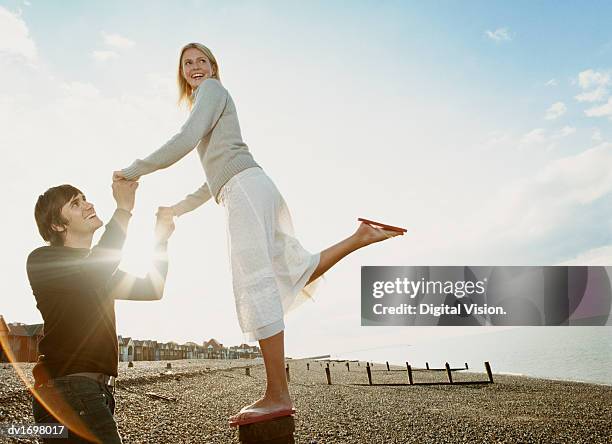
(287, 371)
(448, 371)
(409, 373)
(466, 366)
(168, 365)
(328, 374)
(348, 367)
(278, 430)
(488, 367)
(247, 371)
(369, 373)
(358, 365)
(388, 369)
(427, 365)
(308, 366)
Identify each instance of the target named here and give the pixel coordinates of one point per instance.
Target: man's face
(81, 217)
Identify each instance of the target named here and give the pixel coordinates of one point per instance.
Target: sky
(485, 128)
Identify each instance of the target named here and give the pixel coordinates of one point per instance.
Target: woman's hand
(165, 212)
(164, 226)
(118, 175)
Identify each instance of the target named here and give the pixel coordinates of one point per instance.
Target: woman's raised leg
(365, 235)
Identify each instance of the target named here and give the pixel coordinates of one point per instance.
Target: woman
(271, 272)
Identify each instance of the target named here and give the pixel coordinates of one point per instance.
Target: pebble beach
(191, 401)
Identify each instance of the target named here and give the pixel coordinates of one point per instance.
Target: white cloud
(14, 36)
(552, 82)
(117, 41)
(103, 56)
(601, 256)
(595, 95)
(579, 179)
(539, 217)
(604, 110)
(541, 137)
(555, 111)
(566, 131)
(533, 138)
(596, 137)
(590, 78)
(501, 34)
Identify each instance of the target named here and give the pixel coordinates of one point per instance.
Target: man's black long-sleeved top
(75, 290)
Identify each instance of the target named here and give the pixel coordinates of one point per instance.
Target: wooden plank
(448, 372)
(489, 372)
(409, 374)
(278, 430)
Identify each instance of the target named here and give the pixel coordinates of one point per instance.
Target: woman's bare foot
(263, 406)
(368, 234)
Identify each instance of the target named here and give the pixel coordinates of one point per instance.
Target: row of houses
(23, 342)
(137, 350)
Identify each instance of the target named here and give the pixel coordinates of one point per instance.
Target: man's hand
(124, 192)
(164, 226)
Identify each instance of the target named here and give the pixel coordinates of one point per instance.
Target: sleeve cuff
(137, 169)
(178, 210)
(123, 211)
(161, 247)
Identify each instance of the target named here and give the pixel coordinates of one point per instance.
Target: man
(75, 288)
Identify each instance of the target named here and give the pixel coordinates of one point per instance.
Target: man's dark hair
(48, 212)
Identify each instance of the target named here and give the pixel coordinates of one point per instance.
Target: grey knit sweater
(213, 127)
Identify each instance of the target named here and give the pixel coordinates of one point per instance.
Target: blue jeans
(83, 405)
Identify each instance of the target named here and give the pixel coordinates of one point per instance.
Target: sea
(582, 354)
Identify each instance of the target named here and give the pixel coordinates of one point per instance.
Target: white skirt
(269, 266)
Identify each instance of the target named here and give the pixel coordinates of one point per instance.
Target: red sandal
(261, 418)
(383, 226)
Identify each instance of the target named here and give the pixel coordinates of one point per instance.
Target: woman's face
(196, 67)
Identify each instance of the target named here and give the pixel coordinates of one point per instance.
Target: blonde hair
(185, 90)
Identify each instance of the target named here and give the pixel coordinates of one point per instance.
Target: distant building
(3, 339)
(195, 351)
(126, 349)
(21, 339)
(244, 351)
(215, 350)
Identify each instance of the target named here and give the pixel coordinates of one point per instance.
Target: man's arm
(125, 286)
(105, 256)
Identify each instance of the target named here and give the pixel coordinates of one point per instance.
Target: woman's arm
(192, 201)
(210, 102)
